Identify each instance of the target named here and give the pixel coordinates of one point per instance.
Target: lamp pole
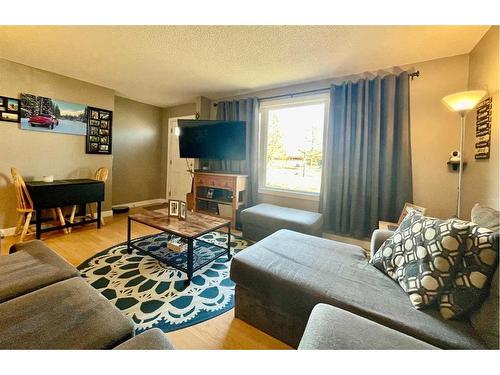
(461, 166)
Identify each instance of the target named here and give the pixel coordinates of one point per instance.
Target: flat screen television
(212, 139)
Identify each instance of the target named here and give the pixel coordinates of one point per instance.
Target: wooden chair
(25, 206)
(101, 175)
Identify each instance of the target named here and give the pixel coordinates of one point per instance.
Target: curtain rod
(412, 75)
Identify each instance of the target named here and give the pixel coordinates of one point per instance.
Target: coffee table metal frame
(190, 270)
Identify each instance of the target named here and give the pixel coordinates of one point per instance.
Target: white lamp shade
(463, 101)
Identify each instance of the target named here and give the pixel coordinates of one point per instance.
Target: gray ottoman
(264, 219)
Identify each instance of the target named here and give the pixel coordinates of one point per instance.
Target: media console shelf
(220, 194)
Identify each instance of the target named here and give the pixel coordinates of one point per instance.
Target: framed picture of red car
(9, 109)
(99, 131)
(39, 113)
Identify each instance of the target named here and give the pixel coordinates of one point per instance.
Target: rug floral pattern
(153, 294)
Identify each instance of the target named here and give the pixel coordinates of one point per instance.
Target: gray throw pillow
(422, 256)
(470, 285)
(485, 217)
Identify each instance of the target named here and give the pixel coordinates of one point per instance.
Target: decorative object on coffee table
(182, 210)
(173, 208)
(191, 229)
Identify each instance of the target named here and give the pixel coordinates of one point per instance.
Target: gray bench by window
(264, 219)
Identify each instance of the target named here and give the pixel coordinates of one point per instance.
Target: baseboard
(6, 232)
(142, 203)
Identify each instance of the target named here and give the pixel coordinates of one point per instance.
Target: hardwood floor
(222, 332)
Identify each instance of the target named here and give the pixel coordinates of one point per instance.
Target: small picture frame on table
(182, 210)
(173, 208)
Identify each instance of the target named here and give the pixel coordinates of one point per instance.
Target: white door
(178, 175)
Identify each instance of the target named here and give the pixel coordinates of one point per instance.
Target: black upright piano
(61, 193)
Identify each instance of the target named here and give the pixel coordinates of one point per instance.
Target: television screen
(212, 139)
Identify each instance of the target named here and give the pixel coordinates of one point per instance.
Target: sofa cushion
(485, 319)
(67, 315)
(152, 339)
(32, 266)
(329, 327)
(471, 283)
(264, 219)
(423, 255)
(295, 272)
(486, 217)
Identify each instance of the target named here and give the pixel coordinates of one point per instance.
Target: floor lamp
(462, 102)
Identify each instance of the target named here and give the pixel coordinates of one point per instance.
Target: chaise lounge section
(280, 279)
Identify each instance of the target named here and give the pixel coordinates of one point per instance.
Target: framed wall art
(99, 125)
(43, 114)
(483, 129)
(9, 109)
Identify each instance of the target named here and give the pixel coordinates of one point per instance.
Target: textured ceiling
(165, 65)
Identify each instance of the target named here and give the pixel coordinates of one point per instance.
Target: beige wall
(481, 176)
(137, 152)
(435, 133)
(36, 153)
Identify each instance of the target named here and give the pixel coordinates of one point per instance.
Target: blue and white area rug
(153, 294)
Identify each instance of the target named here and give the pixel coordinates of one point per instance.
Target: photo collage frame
(9, 109)
(99, 126)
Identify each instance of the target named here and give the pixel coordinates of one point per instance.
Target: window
(291, 154)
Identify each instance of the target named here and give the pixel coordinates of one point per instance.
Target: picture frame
(10, 109)
(182, 210)
(210, 193)
(50, 115)
(410, 207)
(173, 208)
(99, 125)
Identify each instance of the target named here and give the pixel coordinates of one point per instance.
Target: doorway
(179, 170)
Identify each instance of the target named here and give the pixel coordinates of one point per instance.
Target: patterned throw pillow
(422, 256)
(470, 285)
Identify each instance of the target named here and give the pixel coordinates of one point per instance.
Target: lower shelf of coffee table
(156, 247)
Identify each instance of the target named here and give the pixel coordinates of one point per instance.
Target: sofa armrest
(152, 339)
(330, 328)
(378, 238)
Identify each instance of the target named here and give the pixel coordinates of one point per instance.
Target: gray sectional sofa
(280, 279)
(45, 304)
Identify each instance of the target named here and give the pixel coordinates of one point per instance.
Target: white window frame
(295, 101)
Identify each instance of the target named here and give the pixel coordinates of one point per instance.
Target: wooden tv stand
(217, 191)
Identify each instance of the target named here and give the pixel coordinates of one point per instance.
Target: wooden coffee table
(195, 226)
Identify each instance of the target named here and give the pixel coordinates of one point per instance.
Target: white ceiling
(166, 65)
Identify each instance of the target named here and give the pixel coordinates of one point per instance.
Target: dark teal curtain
(241, 110)
(367, 173)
